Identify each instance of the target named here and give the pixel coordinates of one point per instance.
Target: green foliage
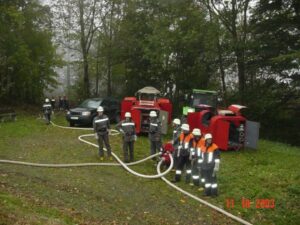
(166, 42)
(27, 55)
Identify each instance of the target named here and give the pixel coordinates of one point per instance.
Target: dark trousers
(183, 161)
(195, 173)
(103, 138)
(175, 157)
(155, 146)
(128, 146)
(47, 117)
(211, 187)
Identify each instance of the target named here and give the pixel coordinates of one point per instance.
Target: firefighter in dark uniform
(175, 139)
(101, 127)
(47, 109)
(53, 103)
(127, 128)
(154, 134)
(185, 144)
(198, 143)
(210, 155)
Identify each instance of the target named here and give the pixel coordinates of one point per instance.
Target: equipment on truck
(147, 99)
(229, 127)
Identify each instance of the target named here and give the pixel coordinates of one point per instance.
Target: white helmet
(176, 121)
(197, 132)
(100, 109)
(208, 136)
(128, 114)
(185, 127)
(153, 114)
(47, 100)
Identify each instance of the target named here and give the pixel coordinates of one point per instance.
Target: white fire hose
(125, 166)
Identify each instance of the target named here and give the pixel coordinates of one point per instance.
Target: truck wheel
(71, 124)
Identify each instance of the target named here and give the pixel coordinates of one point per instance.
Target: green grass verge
(110, 195)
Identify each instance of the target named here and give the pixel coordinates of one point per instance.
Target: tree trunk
(83, 43)
(86, 81)
(222, 72)
(109, 92)
(109, 58)
(241, 73)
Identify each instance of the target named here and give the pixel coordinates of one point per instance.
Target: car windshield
(147, 97)
(203, 99)
(90, 103)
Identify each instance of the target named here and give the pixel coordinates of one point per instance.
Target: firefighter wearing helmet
(210, 156)
(175, 139)
(127, 128)
(185, 144)
(198, 143)
(154, 133)
(47, 109)
(101, 127)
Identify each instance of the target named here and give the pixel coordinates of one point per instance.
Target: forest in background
(247, 50)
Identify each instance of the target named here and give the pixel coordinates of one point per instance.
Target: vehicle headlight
(86, 113)
(68, 113)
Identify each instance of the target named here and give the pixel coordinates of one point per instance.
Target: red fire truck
(147, 99)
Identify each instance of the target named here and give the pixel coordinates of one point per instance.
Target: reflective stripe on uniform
(210, 156)
(207, 185)
(198, 151)
(127, 124)
(214, 185)
(186, 145)
(47, 105)
(101, 120)
(189, 171)
(200, 160)
(196, 177)
(154, 124)
(178, 172)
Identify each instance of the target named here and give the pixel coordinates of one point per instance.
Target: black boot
(214, 192)
(207, 191)
(196, 182)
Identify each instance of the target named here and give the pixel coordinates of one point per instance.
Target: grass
(110, 195)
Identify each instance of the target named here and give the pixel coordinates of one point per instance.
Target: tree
(233, 14)
(28, 56)
(77, 22)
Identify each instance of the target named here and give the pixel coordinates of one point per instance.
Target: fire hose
(125, 166)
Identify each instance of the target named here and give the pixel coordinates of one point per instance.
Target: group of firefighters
(192, 152)
(195, 153)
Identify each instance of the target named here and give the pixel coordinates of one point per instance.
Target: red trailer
(229, 127)
(147, 99)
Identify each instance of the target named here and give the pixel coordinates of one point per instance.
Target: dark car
(87, 110)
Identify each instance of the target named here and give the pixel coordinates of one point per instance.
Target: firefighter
(175, 139)
(155, 134)
(184, 118)
(53, 103)
(185, 144)
(60, 103)
(47, 109)
(198, 143)
(101, 127)
(127, 128)
(210, 155)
